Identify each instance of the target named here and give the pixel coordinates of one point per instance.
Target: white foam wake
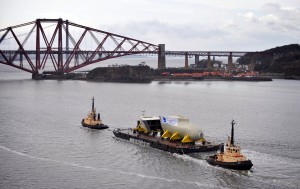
(200, 185)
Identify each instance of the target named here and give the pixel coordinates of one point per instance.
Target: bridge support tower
(67, 39)
(60, 48)
(161, 57)
(209, 64)
(230, 62)
(186, 62)
(196, 59)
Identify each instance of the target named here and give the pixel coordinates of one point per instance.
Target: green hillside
(283, 60)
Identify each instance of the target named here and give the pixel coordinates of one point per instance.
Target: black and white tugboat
(93, 119)
(232, 157)
(173, 134)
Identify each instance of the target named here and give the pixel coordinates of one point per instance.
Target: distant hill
(287, 60)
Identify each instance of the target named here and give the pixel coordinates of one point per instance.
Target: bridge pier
(230, 62)
(186, 62)
(196, 59)
(209, 64)
(161, 57)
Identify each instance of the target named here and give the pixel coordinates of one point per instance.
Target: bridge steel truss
(58, 51)
(208, 53)
(65, 48)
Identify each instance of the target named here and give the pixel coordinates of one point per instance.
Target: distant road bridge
(69, 46)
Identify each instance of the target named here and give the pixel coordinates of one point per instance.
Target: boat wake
(274, 176)
(257, 173)
(198, 184)
(263, 160)
(185, 157)
(264, 157)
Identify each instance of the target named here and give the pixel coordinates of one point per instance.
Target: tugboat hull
(98, 127)
(241, 165)
(161, 144)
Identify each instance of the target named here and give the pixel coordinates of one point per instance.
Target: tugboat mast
(232, 133)
(93, 104)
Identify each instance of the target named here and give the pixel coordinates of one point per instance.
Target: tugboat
(173, 134)
(91, 122)
(232, 157)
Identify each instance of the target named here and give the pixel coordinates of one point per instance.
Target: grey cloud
(287, 18)
(186, 31)
(271, 7)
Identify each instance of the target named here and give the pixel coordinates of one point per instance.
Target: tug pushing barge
(174, 134)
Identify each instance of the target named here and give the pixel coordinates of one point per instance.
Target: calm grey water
(42, 144)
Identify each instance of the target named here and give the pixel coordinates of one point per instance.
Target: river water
(42, 144)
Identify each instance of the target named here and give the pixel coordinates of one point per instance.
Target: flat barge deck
(162, 144)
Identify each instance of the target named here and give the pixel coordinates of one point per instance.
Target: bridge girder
(50, 47)
(53, 47)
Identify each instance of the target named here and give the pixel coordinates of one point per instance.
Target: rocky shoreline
(144, 74)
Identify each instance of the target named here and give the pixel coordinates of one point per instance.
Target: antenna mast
(93, 104)
(232, 133)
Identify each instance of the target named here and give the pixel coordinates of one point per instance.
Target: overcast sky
(246, 25)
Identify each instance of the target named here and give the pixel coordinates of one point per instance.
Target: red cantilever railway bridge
(69, 46)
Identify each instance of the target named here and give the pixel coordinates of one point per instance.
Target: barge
(173, 134)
